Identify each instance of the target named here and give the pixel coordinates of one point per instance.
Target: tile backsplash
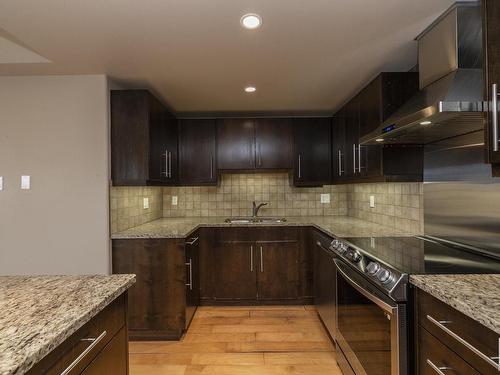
(236, 192)
(127, 208)
(397, 205)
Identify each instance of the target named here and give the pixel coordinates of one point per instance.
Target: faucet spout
(256, 208)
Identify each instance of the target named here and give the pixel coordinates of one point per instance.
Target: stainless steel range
(372, 309)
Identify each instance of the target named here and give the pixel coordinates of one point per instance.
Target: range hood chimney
(451, 97)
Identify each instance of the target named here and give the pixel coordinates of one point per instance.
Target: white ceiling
(309, 55)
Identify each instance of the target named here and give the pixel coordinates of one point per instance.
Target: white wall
(56, 129)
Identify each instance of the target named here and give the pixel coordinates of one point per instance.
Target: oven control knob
(342, 248)
(372, 268)
(356, 257)
(334, 244)
(385, 276)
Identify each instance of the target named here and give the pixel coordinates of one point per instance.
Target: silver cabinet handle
(251, 258)
(494, 115)
(300, 170)
(192, 241)
(440, 325)
(211, 167)
(354, 156)
(190, 265)
(438, 370)
(169, 165)
(164, 157)
(359, 158)
(340, 163)
(82, 355)
(259, 156)
(261, 260)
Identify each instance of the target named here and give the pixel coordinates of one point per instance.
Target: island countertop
(37, 313)
(340, 226)
(477, 296)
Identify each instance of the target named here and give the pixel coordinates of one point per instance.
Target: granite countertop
(340, 226)
(477, 296)
(37, 313)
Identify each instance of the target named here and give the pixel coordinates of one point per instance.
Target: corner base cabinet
(99, 347)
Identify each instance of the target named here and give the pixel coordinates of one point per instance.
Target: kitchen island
(45, 320)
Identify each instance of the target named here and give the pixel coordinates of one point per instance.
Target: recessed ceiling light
(251, 21)
(425, 123)
(379, 140)
(250, 89)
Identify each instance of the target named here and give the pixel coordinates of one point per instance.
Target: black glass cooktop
(418, 255)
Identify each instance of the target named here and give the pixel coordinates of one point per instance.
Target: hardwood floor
(250, 340)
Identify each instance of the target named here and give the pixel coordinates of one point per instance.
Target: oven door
(367, 326)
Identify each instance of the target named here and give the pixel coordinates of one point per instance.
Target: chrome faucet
(256, 208)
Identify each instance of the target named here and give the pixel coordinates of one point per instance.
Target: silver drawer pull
(438, 370)
(192, 241)
(84, 353)
(190, 265)
(440, 325)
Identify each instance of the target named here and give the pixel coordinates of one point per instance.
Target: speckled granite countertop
(477, 296)
(340, 226)
(38, 313)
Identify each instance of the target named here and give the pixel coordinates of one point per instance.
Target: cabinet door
(491, 30)
(129, 137)
(113, 359)
(338, 146)
(235, 144)
(235, 267)
(197, 164)
(157, 301)
(278, 270)
(325, 286)
(171, 152)
(192, 277)
(352, 161)
(273, 142)
(312, 151)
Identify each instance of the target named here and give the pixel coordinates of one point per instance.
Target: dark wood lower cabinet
(255, 266)
(157, 301)
(277, 271)
(192, 262)
(109, 354)
(112, 359)
(442, 333)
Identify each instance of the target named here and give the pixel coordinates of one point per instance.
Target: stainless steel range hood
(451, 97)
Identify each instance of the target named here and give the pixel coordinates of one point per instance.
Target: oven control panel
(378, 273)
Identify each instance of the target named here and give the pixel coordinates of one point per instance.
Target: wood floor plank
(242, 340)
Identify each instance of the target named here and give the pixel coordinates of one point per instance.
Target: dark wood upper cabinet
(353, 162)
(235, 144)
(143, 140)
(312, 151)
(247, 144)
(491, 61)
(197, 144)
(273, 143)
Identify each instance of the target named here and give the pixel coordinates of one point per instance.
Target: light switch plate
(145, 203)
(174, 200)
(372, 201)
(1, 183)
(25, 182)
(325, 198)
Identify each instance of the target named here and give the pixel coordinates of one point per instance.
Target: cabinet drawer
(434, 357)
(472, 341)
(89, 339)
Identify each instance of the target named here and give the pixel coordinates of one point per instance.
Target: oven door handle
(383, 305)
